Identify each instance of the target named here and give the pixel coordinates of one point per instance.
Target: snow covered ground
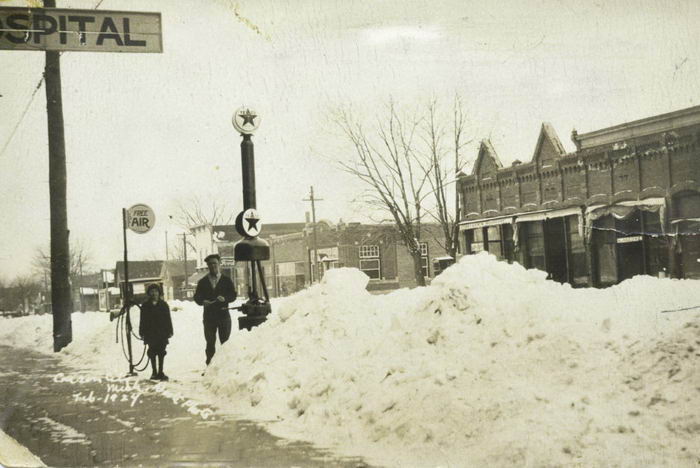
(489, 365)
(16, 455)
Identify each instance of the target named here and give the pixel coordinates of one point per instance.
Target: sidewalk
(66, 421)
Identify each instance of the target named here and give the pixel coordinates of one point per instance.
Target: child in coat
(156, 327)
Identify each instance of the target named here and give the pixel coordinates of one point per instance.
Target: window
(604, 242)
(655, 246)
(369, 261)
(476, 243)
(493, 241)
(534, 244)
(424, 249)
(686, 211)
(371, 267)
(508, 245)
(577, 253)
(424, 259)
(369, 251)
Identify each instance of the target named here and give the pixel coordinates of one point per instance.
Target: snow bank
(490, 364)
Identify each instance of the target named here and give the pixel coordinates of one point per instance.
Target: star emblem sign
(248, 117)
(252, 221)
(246, 120)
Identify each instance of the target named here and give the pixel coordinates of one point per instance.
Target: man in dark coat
(215, 291)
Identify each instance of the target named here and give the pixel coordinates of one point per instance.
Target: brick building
(626, 202)
(374, 249)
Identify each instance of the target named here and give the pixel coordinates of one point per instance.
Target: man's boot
(154, 374)
(161, 375)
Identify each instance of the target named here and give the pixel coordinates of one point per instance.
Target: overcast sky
(155, 128)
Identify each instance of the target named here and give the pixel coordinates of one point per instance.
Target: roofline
(636, 128)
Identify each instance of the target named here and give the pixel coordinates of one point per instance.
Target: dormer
(548, 149)
(487, 162)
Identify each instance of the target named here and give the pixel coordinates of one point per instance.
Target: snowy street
(65, 421)
(452, 374)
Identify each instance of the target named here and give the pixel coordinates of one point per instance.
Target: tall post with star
(251, 248)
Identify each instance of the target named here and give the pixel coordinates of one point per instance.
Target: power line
(31, 100)
(21, 118)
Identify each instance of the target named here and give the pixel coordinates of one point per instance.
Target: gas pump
(251, 248)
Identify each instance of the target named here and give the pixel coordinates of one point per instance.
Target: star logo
(252, 222)
(248, 117)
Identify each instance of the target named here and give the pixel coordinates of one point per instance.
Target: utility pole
(60, 253)
(167, 253)
(46, 29)
(184, 249)
(80, 282)
(46, 293)
(313, 201)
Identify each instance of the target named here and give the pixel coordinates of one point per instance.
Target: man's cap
(212, 256)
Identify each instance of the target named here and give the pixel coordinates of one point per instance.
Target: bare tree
(395, 172)
(24, 291)
(408, 165)
(80, 260)
(442, 144)
(194, 212)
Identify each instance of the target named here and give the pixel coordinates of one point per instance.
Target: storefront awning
(464, 226)
(648, 204)
(623, 209)
(542, 215)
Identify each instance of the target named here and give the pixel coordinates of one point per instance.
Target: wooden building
(625, 203)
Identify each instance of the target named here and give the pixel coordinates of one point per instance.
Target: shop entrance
(630, 255)
(555, 249)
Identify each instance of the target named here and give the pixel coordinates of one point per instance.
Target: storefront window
(476, 243)
(655, 245)
(493, 238)
(534, 240)
(577, 253)
(508, 245)
(686, 214)
(604, 248)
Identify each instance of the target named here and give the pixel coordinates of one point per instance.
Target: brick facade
(292, 266)
(644, 168)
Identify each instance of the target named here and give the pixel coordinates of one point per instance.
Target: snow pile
(490, 364)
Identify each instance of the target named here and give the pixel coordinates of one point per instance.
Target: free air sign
(79, 30)
(140, 218)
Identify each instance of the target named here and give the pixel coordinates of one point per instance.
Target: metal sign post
(57, 30)
(140, 219)
(251, 248)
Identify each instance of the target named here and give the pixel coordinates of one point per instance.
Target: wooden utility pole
(184, 250)
(80, 282)
(61, 303)
(46, 29)
(313, 201)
